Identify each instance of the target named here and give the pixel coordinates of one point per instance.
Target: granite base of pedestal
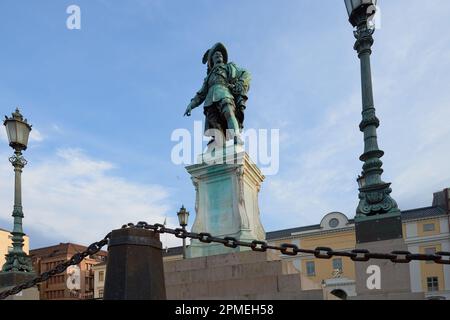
(236, 276)
(9, 280)
(394, 281)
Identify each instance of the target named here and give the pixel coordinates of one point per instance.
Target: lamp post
(378, 223)
(183, 217)
(374, 194)
(18, 131)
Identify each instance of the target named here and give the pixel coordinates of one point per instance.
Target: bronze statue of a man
(224, 93)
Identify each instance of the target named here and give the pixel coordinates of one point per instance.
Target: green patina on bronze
(374, 196)
(224, 94)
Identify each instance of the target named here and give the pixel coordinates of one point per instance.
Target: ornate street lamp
(360, 11)
(18, 130)
(183, 217)
(374, 196)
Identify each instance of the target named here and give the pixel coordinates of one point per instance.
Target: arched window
(341, 294)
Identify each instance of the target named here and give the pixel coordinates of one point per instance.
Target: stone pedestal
(244, 276)
(9, 280)
(227, 184)
(394, 277)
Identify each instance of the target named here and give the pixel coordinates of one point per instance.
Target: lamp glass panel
(348, 5)
(11, 128)
(183, 218)
(22, 133)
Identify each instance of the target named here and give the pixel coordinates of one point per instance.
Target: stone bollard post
(134, 270)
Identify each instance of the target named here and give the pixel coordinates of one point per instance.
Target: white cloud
(411, 72)
(321, 175)
(73, 197)
(56, 128)
(36, 135)
(3, 135)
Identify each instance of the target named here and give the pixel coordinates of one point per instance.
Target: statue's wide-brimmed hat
(207, 57)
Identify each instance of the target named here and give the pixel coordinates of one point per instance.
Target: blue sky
(105, 99)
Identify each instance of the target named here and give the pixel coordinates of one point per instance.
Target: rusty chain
(357, 255)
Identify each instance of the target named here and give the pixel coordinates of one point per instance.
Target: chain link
(357, 255)
(60, 268)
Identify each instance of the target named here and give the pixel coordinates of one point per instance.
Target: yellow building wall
(338, 240)
(323, 267)
(6, 243)
(431, 269)
(420, 225)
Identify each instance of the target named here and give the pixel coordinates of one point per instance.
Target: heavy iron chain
(60, 268)
(357, 255)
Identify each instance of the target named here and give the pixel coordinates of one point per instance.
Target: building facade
(6, 245)
(77, 283)
(99, 279)
(425, 230)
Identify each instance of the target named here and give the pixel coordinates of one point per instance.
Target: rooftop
(406, 215)
(61, 249)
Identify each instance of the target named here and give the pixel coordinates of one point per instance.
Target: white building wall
(446, 247)
(414, 270)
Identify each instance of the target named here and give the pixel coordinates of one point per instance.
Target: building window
(100, 293)
(430, 251)
(337, 264)
(432, 284)
(310, 268)
(101, 276)
(427, 227)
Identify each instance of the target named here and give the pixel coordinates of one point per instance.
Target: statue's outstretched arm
(198, 99)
